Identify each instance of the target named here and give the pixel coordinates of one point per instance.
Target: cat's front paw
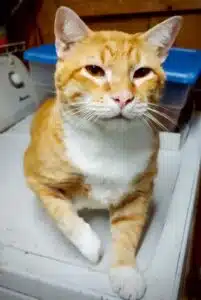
(127, 282)
(89, 244)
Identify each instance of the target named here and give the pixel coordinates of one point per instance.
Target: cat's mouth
(117, 117)
(120, 117)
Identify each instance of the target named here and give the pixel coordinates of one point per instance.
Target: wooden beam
(112, 7)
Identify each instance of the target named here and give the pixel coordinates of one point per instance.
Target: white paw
(89, 244)
(127, 282)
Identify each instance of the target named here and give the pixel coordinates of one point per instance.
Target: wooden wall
(125, 15)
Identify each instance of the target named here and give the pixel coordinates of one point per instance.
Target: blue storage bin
(182, 67)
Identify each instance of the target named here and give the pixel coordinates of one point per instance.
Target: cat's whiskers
(90, 112)
(73, 112)
(89, 116)
(162, 115)
(79, 103)
(155, 121)
(149, 125)
(86, 114)
(168, 107)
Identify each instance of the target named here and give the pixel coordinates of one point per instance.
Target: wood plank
(111, 7)
(45, 21)
(126, 24)
(182, 5)
(189, 36)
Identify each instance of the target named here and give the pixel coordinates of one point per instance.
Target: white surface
(6, 294)
(36, 260)
(22, 127)
(174, 141)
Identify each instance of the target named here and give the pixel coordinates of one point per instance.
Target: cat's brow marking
(106, 54)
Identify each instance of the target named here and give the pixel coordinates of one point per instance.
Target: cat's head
(109, 77)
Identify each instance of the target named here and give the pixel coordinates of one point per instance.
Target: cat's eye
(95, 70)
(141, 72)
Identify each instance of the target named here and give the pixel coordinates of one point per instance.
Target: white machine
(37, 262)
(17, 96)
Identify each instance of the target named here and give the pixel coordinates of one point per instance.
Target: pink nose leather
(123, 98)
(123, 103)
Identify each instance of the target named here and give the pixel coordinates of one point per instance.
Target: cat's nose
(123, 98)
(122, 102)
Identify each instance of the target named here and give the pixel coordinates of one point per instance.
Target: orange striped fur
(92, 145)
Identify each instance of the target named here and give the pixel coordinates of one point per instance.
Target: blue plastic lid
(181, 66)
(44, 54)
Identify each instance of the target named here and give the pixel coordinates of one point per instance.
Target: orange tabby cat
(93, 145)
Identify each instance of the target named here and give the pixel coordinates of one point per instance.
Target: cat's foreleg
(127, 223)
(71, 225)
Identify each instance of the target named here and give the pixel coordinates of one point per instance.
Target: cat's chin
(119, 124)
(116, 124)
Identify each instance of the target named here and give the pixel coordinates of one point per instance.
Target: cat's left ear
(163, 35)
(68, 29)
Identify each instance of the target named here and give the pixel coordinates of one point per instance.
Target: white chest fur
(109, 160)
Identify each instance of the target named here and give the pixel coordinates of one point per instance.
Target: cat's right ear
(68, 29)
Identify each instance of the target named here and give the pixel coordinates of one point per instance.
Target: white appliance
(17, 93)
(37, 262)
